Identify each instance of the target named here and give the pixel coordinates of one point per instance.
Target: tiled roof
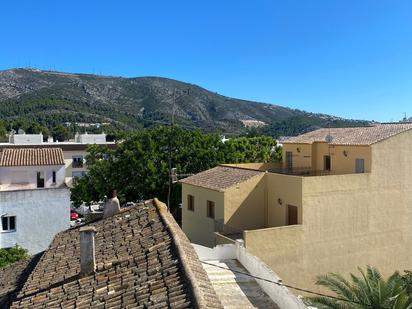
(64, 146)
(221, 177)
(31, 157)
(142, 262)
(15, 276)
(351, 136)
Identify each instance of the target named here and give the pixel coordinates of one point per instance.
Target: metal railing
(301, 171)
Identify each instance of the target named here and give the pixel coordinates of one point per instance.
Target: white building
(34, 200)
(25, 138)
(90, 138)
(74, 152)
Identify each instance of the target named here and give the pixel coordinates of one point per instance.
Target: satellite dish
(329, 138)
(20, 131)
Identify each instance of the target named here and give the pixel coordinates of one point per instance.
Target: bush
(11, 255)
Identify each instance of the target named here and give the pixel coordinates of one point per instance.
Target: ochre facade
(345, 219)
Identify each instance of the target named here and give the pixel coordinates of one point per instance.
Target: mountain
(52, 98)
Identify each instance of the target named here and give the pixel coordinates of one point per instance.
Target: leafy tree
(254, 149)
(369, 290)
(11, 255)
(407, 280)
(60, 133)
(3, 132)
(139, 167)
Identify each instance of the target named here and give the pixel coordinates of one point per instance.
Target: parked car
(73, 214)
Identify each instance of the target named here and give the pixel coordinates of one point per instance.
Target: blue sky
(350, 58)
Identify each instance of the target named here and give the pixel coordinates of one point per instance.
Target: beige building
(341, 198)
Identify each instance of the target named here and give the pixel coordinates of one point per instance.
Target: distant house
(74, 152)
(341, 198)
(34, 200)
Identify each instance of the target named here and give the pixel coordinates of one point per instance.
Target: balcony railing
(301, 171)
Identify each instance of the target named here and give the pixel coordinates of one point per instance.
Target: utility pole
(172, 123)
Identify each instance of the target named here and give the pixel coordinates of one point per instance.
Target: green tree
(369, 290)
(3, 132)
(251, 149)
(139, 167)
(11, 255)
(407, 280)
(60, 133)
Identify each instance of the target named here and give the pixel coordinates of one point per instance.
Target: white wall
(279, 294)
(90, 138)
(26, 138)
(27, 175)
(40, 214)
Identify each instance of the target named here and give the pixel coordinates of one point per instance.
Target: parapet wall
(278, 293)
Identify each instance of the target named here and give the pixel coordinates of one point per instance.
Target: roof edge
(192, 268)
(389, 137)
(223, 190)
(198, 186)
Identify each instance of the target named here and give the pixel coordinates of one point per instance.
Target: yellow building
(341, 198)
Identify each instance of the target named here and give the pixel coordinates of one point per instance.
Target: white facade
(34, 206)
(90, 138)
(23, 139)
(73, 151)
(39, 215)
(25, 177)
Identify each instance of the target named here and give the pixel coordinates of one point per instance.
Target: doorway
(326, 163)
(292, 215)
(40, 179)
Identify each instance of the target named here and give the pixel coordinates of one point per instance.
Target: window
(360, 166)
(190, 202)
(40, 179)
(211, 209)
(77, 161)
(289, 160)
(8, 224)
(54, 177)
(77, 174)
(326, 163)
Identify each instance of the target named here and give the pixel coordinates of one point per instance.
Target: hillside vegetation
(50, 99)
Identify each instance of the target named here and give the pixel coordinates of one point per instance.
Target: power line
(285, 285)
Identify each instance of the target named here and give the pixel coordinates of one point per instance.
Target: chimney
(87, 250)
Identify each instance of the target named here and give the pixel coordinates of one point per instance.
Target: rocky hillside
(52, 98)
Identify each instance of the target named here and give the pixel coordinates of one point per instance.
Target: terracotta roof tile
(351, 136)
(221, 177)
(31, 157)
(15, 276)
(140, 264)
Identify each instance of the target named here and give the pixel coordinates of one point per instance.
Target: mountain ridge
(129, 103)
